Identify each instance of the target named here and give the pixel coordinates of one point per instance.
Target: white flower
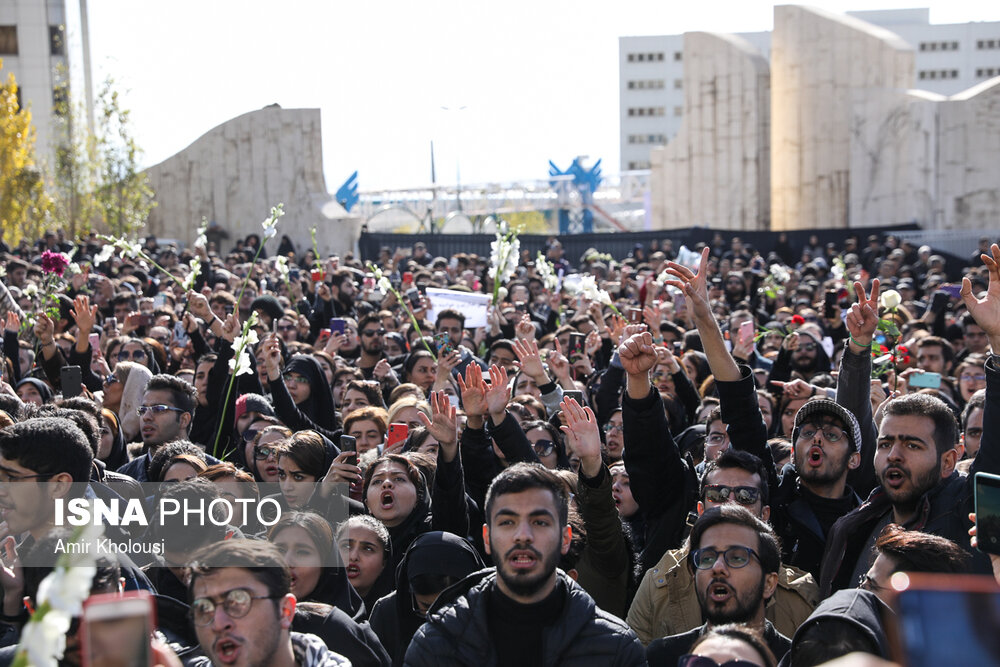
(66, 588)
(105, 254)
(271, 224)
(202, 240)
(241, 342)
(281, 266)
(3, 272)
(30, 290)
(44, 640)
(126, 249)
(504, 255)
(243, 367)
(502, 294)
(193, 275)
(890, 299)
(546, 272)
(779, 274)
(838, 269)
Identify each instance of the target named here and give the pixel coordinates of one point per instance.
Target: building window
(659, 57)
(60, 99)
(631, 57)
(631, 112)
(57, 40)
(8, 40)
(954, 46)
(678, 56)
(678, 112)
(678, 84)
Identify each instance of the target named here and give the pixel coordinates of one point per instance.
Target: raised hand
(584, 436)
(44, 329)
(444, 426)
(694, 285)
(531, 360)
(559, 365)
(525, 328)
(795, 389)
(497, 394)
(473, 390)
(231, 327)
(382, 370)
(271, 352)
(637, 354)
(343, 470)
(13, 322)
(198, 305)
(84, 314)
(862, 317)
(986, 311)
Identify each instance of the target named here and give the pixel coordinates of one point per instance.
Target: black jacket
(663, 483)
(859, 608)
(944, 510)
(457, 630)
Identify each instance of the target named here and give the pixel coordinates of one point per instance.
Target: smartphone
(576, 346)
(348, 443)
(337, 325)
(407, 277)
(95, 342)
(926, 379)
(110, 324)
(746, 332)
(939, 301)
(443, 342)
(829, 304)
(294, 274)
(635, 315)
(70, 381)
(117, 629)
(413, 296)
(144, 320)
(575, 394)
(397, 434)
(965, 609)
(521, 308)
(988, 513)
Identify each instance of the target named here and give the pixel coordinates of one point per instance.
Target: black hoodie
(853, 606)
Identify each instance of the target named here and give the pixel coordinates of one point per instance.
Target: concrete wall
(819, 62)
(715, 172)
(236, 172)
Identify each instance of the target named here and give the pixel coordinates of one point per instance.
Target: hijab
(319, 406)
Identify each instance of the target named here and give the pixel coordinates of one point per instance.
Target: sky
(500, 88)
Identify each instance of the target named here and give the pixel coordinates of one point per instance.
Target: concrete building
(850, 142)
(45, 44)
(949, 58)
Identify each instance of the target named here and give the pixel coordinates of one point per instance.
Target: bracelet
(51, 342)
(869, 345)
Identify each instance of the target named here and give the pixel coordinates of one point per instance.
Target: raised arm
(854, 382)
(986, 312)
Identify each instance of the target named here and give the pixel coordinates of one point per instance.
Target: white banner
(472, 305)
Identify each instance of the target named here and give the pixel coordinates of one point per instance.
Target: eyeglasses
(287, 327)
(744, 495)
(137, 355)
(156, 409)
(368, 333)
(611, 428)
(807, 347)
(8, 478)
(689, 660)
(110, 380)
(969, 377)
(544, 447)
(264, 453)
(830, 433)
(659, 375)
(250, 434)
(295, 378)
(236, 603)
(735, 557)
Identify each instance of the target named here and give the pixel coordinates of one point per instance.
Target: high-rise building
(46, 45)
(950, 58)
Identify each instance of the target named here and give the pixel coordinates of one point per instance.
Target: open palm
(986, 311)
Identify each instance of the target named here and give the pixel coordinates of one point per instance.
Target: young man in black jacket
(524, 612)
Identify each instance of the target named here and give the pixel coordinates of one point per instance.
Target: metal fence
(618, 245)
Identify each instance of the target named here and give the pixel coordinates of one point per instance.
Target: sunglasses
(807, 347)
(137, 355)
(744, 495)
(701, 661)
(264, 453)
(369, 333)
(110, 380)
(544, 447)
(156, 409)
(611, 428)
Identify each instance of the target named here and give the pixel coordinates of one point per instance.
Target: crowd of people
(709, 456)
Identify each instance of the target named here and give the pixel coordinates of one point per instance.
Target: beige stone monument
(235, 173)
(716, 171)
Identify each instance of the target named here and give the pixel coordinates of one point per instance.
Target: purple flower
(54, 262)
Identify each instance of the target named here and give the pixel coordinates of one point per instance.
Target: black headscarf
(319, 406)
(43, 388)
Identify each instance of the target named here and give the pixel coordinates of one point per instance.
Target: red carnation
(798, 320)
(54, 262)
